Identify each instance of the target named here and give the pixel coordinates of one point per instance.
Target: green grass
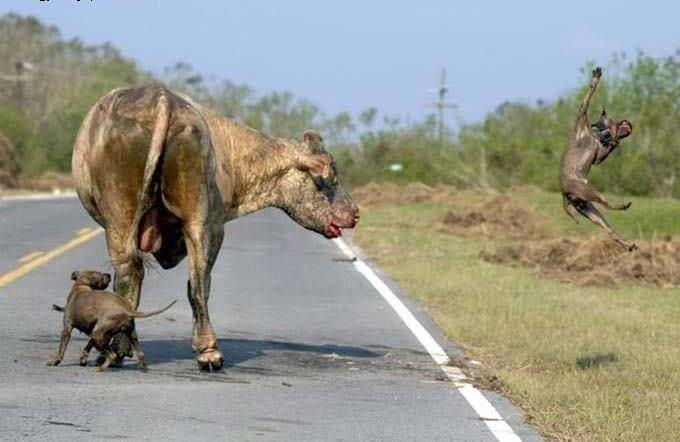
(645, 218)
(584, 363)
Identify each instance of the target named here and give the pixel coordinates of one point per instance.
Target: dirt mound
(497, 216)
(50, 181)
(596, 261)
(9, 166)
(374, 194)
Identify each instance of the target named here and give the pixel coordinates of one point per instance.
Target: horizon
(358, 61)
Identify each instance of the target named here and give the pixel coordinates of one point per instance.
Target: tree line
(48, 83)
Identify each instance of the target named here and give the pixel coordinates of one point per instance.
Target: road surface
(313, 351)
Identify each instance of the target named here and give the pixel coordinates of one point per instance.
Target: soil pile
(51, 181)
(9, 166)
(374, 194)
(498, 216)
(596, 261)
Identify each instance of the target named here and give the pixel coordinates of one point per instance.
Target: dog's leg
(101, 337)
(65, 338)
(569, 208)
(588, 210)
(585, 191)
(134, 340)
(110, 357)
(86, 352)
(597, 197)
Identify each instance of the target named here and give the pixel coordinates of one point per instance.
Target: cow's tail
(153, 159)
(135, 314)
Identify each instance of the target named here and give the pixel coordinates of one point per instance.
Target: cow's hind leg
(203, 244)
(127, 282)
(141, 359)
(191, 194)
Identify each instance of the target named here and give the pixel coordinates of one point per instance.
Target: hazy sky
(349, 55)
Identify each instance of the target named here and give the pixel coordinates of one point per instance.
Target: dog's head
(609, 131)
(92, 278)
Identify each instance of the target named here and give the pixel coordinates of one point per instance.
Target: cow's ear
(316, 164)
(74, 275)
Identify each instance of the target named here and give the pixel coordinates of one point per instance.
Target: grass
(584, 363)
(646, 217)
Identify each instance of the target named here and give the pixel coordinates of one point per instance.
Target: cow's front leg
(203, 246)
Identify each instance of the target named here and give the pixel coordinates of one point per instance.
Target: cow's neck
(253, 164)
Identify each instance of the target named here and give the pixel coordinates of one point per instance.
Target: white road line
(39, 196)
(494, 421)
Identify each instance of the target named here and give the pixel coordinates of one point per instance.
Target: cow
(162, 174)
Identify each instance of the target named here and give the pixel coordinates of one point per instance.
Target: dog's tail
(153, 313)
(57, 308)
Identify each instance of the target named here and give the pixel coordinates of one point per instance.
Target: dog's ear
(107, 279)
(74, 275)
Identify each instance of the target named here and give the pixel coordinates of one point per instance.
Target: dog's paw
(626, 206)
(632, 247)
(53, 362)
(83, 361)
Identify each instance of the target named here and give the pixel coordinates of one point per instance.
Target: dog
(99, 314)
(591, 144)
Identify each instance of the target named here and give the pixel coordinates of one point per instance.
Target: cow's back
(112, 147)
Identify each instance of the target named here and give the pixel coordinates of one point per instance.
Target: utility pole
(441, 104)
(19, 91)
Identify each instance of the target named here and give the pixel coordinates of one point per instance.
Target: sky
(350, 55)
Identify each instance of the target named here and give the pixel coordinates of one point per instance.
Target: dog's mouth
(625, 129)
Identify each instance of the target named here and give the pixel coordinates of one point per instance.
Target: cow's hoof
(210, 360)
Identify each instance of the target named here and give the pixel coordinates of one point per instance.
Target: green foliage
(520, 143)
(523, 144)
(42, 108)
(45, 98)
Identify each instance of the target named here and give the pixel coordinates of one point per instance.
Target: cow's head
(311, 194)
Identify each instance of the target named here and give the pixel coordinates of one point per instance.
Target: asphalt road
(313, 351)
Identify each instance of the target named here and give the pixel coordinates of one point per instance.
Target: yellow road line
(25, 268)
(84, 230)
(30, 256)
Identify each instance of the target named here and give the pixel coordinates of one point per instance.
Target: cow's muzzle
(343, 216)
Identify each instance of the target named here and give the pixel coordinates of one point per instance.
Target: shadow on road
(237, 351)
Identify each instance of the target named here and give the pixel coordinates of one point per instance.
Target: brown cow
(162, 175)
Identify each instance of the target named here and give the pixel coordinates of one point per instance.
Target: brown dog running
(100, 315)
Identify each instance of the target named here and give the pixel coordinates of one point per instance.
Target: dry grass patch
(587, 363)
